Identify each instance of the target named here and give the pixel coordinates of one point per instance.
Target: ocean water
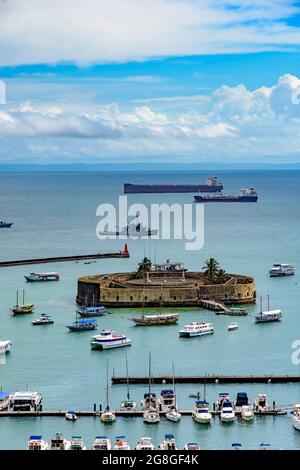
(55, 214)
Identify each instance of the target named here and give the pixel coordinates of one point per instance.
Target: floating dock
(209, 379)
(56, 259)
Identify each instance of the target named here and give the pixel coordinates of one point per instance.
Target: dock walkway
(215, 306)
(209, 379)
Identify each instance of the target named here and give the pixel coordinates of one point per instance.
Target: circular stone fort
(168, 284)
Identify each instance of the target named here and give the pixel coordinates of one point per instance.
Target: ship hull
(171, 188)
(201, 199)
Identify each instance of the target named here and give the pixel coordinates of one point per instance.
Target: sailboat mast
(261, 305)
(107, 403)
(268, 301)
(23, 296)
(204, 388)
(127, 376)
(149, 373)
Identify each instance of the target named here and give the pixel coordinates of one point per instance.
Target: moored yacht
(223, 396)
(247, 413)
(192, 446)
(169, 443)
(167, 400)
(261, 402)
(108, 416)
(129, 404)
(296, 417)
(77, 443)
(93, 312)
(241, 400)
(227, 412)
(196, 329)
(151, 416)
(37, 443)
(232, 326)
(282, 269)
(145, 443)
(149, 401)
(201, 412)
(121, 443)
(25, 401)
(108, 339)
(173, 415)
(101, 443)
(82, 325)
(71, 415)
(58, 442)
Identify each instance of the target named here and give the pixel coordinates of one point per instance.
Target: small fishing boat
(5, 224)
(233, 326)
(155, 319)
(201, 412)
(22, 309)
(169, 443)
(77, 443)
(227, 412)
(121, 443)
(37, 443)
(89, 312)
(268, 315)
(58, 442)
(196, 329)
(247, 413)
(296, 417)
(101, 443)
(107, 416)
(236, 446)
(42, 277)
(5, 346)
(145, 443)
(71, 415)
(192, 446)
(282, 269)
(261, 402)
(108, 339)
(44, 319)
(129, 404)
(173, 415)
(4, 400)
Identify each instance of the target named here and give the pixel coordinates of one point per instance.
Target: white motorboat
(71, 415)
(173, 415)
(58, 442)
(5, 346)
(150, 401)
(167, 400)
(77, 443)
(196, 329)
(241, 400)
(121, 443)
(227, 412)
(201, 412)
(247, 413)
(261, 402)
(101, 443)
(25, 401)
(282, 269)
(4, 400)
(169, 443)
(151, 416)
(232, 326)
(192, 446)
(296, 417)
(224, 396)
(108, 416)
(108, 339)
(37, 443)
(44, 319)
(145, 443)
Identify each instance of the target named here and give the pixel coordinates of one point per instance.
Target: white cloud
(230, 124)
(89, 31)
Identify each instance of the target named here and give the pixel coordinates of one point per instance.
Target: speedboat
(227, 412)
(167, 400)
(77, 443)
(224, 396)
(192, 446)
(108, 339)
(121, 443)
(247, 413)
(5, 346)
(44, 319)
(108, 416)
(58, 442)
(42, 277)
(71, 415)
(261, 402)
(83, 325)
(173, 415)
(296, 417)
(128, 405)
(282, 269)
(145, 443)
(5, 224)
(37, 443)
(196, 329)
(232, 326)
(201, 412)
(151, 416)
(93, 312)
(101, 443)
(169, 443)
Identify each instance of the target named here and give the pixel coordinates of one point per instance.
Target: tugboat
(5, 224)
(22, 309)
(44, 319)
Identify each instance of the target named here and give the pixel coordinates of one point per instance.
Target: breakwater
(209, 379)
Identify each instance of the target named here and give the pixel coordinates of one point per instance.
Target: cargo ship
(246, 195)
(212, 185)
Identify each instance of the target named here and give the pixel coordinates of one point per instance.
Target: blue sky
(171, 80)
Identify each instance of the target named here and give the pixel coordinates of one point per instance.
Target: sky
(195, 81)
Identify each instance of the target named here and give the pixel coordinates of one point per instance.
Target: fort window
(131, 298)
(117, 297)
(174, 297)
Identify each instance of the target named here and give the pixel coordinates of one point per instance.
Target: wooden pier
(209, 379)
(56, 259)
(217, 307)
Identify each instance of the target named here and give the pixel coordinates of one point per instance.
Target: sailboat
(202, 413)
(107, 416)
(173, 414)
(82, 324)
(128, 405)
(268, 315)
(151, 414)
(93, 311)
(23, 308)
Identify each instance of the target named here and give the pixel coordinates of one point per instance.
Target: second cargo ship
(212, 185)
(246, 195)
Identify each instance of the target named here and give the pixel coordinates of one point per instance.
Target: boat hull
(296, 423)
(203, 199)
(190, 334)
(95, 345)
(171, 188)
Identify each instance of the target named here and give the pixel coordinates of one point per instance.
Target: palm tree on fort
(211, 268)
(143, 269)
